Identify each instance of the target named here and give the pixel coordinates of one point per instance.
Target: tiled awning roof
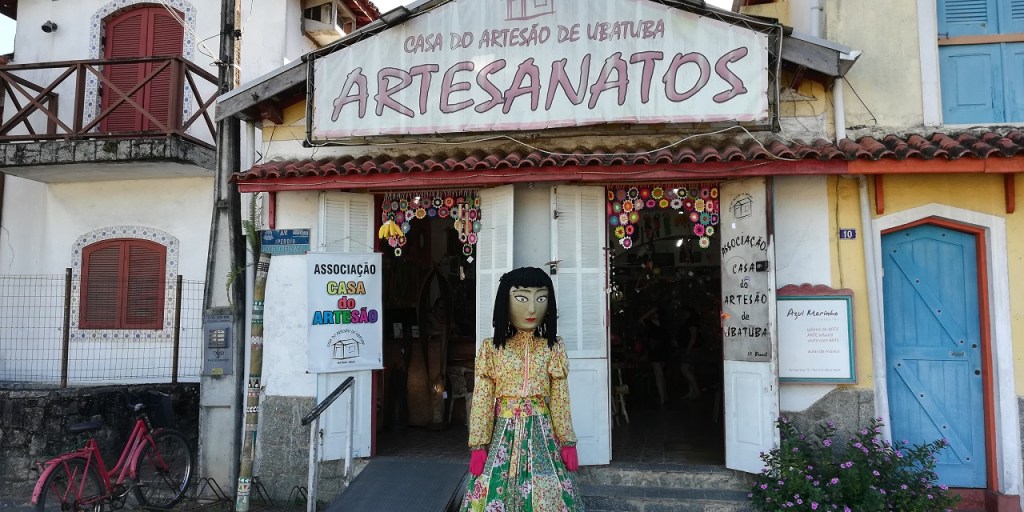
(867, 155)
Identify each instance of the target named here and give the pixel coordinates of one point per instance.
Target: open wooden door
(493, 253)
(578, 239)
(346, 225)
(751, 391)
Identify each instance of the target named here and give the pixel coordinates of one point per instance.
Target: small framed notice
(816, 335)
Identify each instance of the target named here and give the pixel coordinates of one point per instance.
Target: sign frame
(799, 325)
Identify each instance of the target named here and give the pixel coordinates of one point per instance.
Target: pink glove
(572, 463)
(476, 461)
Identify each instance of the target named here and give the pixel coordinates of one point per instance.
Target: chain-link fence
(43, 340)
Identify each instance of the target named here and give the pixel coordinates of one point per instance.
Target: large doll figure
(521, 440)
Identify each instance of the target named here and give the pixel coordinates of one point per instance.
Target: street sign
(284, 241)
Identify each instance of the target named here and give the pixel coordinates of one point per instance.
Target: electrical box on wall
(325, 21)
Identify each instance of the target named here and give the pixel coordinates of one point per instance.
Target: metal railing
(30, 91)
(315, 438)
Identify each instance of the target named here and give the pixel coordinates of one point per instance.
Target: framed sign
(816, 335)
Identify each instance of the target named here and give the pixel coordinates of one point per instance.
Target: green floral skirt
(524, 471)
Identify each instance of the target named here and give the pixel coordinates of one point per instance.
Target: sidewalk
(10, 505)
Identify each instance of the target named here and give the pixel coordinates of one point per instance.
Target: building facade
(839, 263)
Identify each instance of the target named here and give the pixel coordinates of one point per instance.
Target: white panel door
(493, 253)
(346, 225)
(578, 239)
(750, 368)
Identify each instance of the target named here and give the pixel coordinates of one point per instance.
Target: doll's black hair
(523, 277)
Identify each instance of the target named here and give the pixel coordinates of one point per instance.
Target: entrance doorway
(424, 391)
(666, 345)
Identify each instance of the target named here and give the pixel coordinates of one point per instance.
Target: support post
(252, 402)
(177, 330)
(65, 342)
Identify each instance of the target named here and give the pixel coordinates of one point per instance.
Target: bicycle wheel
(71, 488)
(163, 470)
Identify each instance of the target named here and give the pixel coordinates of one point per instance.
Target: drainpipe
(817, 11)
(840, 109)
(874, 302)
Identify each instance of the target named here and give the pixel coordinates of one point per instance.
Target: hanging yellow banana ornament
(389, 229)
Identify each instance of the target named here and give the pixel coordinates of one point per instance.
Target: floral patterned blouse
(525, 367)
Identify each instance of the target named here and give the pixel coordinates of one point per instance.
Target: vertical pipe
(314, 464)
(351, 433)
(177, 330)
(66, 335)
(871, 261)
(840, 108)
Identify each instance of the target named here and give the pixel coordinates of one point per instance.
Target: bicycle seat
(85, 426)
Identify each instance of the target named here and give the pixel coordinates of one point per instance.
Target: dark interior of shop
(665, 352)
(666, 359)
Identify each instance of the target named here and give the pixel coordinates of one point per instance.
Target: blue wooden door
(933, 347)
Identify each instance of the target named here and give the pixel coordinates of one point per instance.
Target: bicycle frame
(125, 467)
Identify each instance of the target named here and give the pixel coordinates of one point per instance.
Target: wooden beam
(879, 195)
(239, 102)
(271, 111)
(964, 165)
(1010, 189)
(989, 39)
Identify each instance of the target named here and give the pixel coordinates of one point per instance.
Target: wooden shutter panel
(144, 290)
(1011, 16)
(972, 83)
(166, 39)
(1013, 77)
(101, 273)
(125, 38)
(967, 17)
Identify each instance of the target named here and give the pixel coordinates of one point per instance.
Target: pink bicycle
(155, 464)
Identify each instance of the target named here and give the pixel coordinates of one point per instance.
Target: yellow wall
(980, 193)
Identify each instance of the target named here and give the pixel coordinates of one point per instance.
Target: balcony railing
(32, 99)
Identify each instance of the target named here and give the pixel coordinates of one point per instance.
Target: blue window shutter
(968, 17)
(1013, 72)
(1011, 16)
(972, 83)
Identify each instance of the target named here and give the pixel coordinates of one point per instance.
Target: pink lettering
(560, 79)
(615, 63)
(722, 68)
(527, 69)
(425, 72)
(648, 58)
(673, 71)
(483, 79)
(355, 78)
(449, 85)
(383, 96)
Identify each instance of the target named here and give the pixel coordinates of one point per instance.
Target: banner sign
(488, 65)
(344, 311)
(746, 283)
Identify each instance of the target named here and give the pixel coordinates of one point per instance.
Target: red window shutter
(141, 32)
(101, 286)
(144, 306)
(166, 39)
(124, 39)
(123, 285)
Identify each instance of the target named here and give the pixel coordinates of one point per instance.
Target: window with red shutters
(123, 285)
(145, 31)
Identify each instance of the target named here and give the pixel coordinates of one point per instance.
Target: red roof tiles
(938, 147)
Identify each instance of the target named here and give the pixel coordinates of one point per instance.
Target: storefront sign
(344, 311)
(746, 296)
(486, 65)
(816, 339)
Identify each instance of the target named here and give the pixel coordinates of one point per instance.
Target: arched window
(145, 31)
(123, 285)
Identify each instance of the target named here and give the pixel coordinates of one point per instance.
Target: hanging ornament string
(698, 201)
(400, 209)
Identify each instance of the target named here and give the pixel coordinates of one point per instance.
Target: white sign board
(344, 311)
(503, 65)
(816, 339)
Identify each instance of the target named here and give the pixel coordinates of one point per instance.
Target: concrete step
(667, 476)
(624, 498)
(650, 487)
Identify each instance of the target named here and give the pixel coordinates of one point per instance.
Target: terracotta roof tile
(890, 147)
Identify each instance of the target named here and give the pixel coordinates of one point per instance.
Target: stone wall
(282, 458)
(34, 424)
(850, 409)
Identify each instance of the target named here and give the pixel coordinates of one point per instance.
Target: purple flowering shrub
(862, 473)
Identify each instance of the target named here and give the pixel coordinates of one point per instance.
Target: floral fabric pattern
(520, 414)
(523, 471)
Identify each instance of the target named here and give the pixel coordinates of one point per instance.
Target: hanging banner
(489, 65)
(344, 311)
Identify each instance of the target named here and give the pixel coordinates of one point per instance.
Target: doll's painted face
(527, 307)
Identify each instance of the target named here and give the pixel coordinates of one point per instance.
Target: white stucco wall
(271, 36)
(801, 230)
